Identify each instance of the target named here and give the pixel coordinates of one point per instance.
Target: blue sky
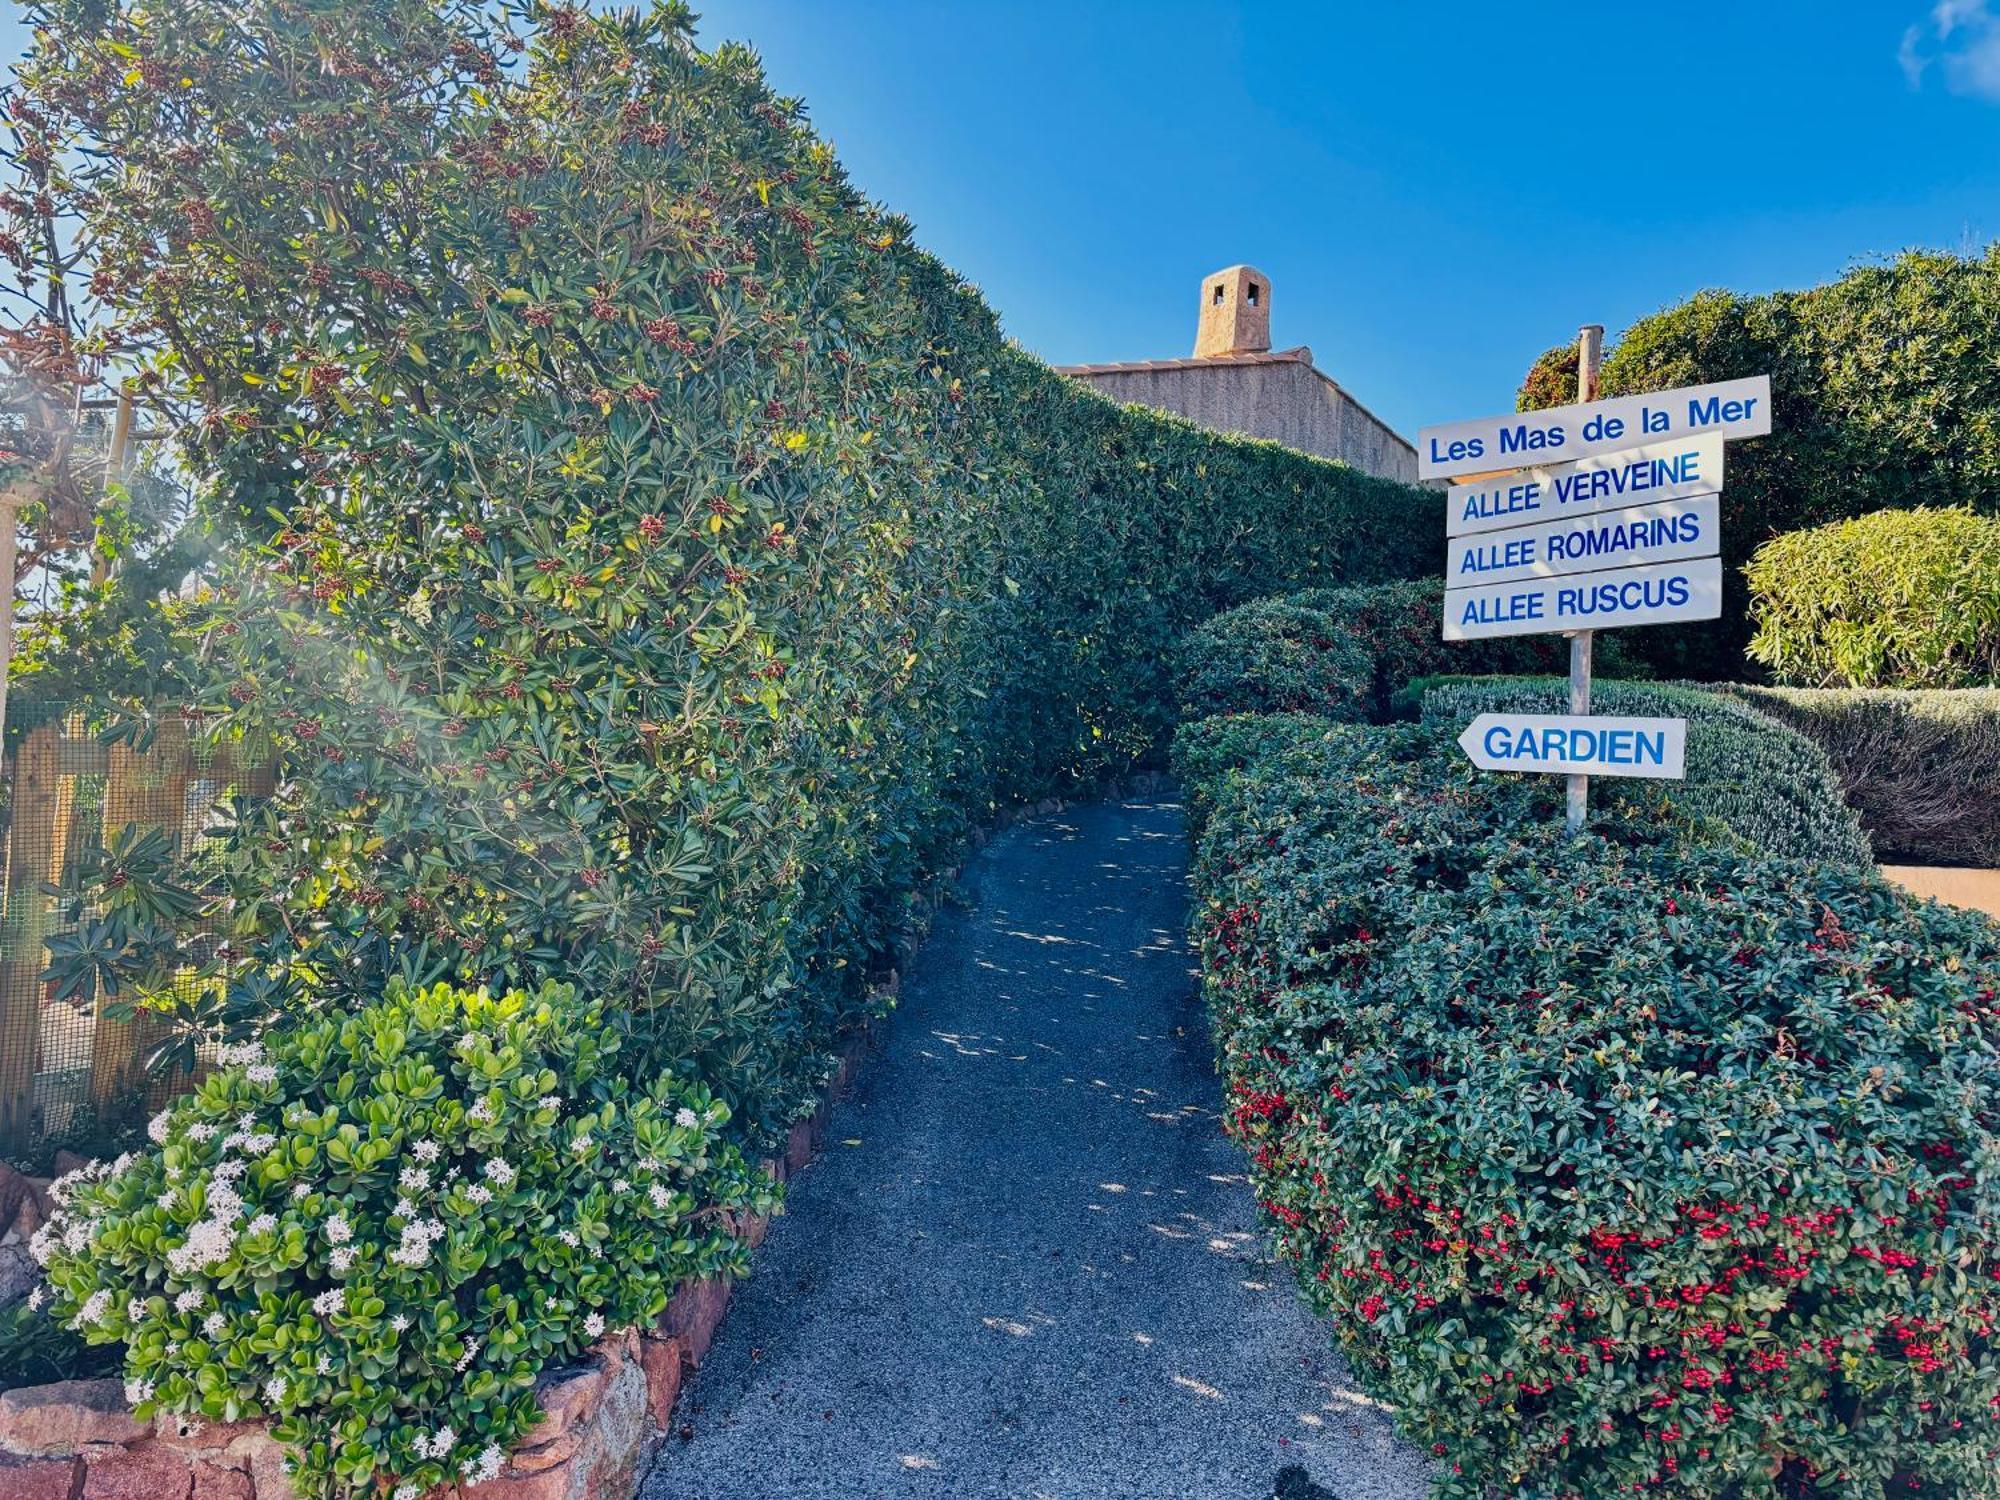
(1436, 190)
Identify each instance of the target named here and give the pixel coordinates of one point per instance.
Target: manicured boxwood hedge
(1922, 769)
(1620, 1164)
(1894, 599)
(1748, 776)
(1344, 652)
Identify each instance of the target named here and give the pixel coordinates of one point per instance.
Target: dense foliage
(1551, 379)
(37, 1350)
(1884, 393)
(1922, 769)
(648, 565)
(1749, 777)
(1620, 1164)
(1344, 652)
(378, 1230)
(1894, 599)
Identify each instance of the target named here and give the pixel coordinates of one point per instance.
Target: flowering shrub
(379, 1231)
(1620, 1164)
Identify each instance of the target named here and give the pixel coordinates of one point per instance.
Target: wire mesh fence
(67, 1070)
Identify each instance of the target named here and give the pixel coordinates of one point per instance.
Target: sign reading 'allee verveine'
(1666, 531)
(1658, 471)
(1595, 745)
(1729, 408)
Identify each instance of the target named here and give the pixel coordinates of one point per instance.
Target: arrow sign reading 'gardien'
(1577, 744)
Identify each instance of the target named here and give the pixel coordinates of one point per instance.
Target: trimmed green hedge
(1896, 599)
(1620, 1164)
(1748, 776)
(1345, 652)
(1922, 769)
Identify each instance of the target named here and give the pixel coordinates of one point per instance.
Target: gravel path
(1027, 1264)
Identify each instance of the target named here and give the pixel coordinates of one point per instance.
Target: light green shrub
(377, 1228)
(1748, 776)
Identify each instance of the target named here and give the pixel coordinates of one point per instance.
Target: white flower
(441, 1441)
(262, 1224)
(551, 1101)
(479, 1192)
(324, 1364)
(406, 1492)
(649, 1164)
(593, 1325)
(465, 1359)
(37, 1297)
(207, 1242)
(481, 1113)
(581, 1143)
(338, 1230)
(414, 1249)
(134, 1310)
(156, 1128)
(404, 1209)
(231, 1054)
(214, 1325)
(137, 1391)
(342, 1260)
(620, 1185)
(401, 1323)
(430, 1229)
(189, 1300)
(425, 1150)
(246, 1122)
(275, 1388)
(166, 1200)
(300, 1189)
(261, 1074)
(413, 1179)
(660, 1196)
(490, 1459)
(568, 1237)
(500, 1170)
(258, 1142)
(228, 1171)
(201, 1130)
(687, 1119)
(329, 1302)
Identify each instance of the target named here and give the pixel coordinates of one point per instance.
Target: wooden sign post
(1589, 361)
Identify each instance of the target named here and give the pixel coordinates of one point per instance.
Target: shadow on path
(1027, 1264)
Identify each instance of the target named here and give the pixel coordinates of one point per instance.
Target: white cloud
(1961, 40)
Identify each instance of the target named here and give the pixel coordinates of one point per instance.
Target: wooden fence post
(34, 851)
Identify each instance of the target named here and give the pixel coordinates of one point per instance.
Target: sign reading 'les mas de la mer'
(1601, 745)
(1728, 408)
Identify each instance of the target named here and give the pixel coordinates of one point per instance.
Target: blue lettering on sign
(1521, 438)
(1632, 594)
(1577, 746)
(1526, 605)
(1713, 410)
(1460, 448)
(1623, 479)
(1483, 505)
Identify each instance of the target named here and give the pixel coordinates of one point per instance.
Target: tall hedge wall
(1884, 393)
(648, 564)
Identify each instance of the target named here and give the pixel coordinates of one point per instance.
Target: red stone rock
(45, 1420)
(693, 1315)
(142, 1471)
(213, 1482)
(544, 1456)
(40, 1478)
(15, 1189)
(798, 1148)
(550, 1484)
(662, 1360)
(570, 1401)
(260, 1454)
(196, 1435)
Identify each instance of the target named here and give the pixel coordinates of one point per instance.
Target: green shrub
(1344, 652)
(379, 1230)
(1896, 599)
(646, 565)
(1884, 394)
(1205, 751)
(1922, 769)
(37, 1350)
(1619, 1163)
(1748, 776)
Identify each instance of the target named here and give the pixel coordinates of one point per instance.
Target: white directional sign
(1656, 594)
(1657, 471)
(1663, 532)
(1575, 744)
(1729, 408)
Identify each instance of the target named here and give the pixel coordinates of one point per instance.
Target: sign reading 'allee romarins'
(1608, 514)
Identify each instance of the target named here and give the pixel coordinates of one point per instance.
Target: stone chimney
(1235, 313)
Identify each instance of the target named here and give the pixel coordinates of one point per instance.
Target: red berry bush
(1620, 1164)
